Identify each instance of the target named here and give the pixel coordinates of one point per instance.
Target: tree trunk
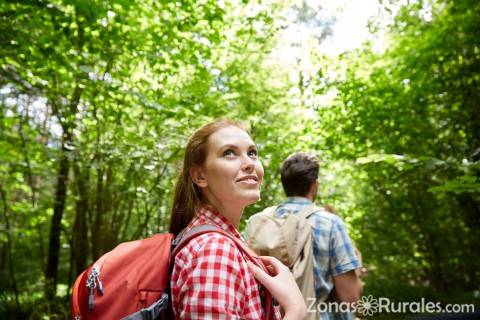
(79, 233)
(11, 270)
(471, 210)
(110, 235)
(98, 218)
(51, 273)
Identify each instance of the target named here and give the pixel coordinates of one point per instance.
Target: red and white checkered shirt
(211, 279)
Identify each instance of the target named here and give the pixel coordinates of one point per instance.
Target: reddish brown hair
(187, 195)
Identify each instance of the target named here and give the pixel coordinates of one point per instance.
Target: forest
(98, 99)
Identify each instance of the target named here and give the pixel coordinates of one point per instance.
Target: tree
(408, 120)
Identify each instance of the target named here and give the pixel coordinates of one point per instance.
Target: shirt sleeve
(342, 250)
(212, 285)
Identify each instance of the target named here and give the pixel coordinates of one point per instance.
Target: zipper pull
(96, 279)
(99, 286)
(91, 284)
(91, 298)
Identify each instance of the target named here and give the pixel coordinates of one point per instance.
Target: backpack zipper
(93, 281)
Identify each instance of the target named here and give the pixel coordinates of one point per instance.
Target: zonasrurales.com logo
(367, 306)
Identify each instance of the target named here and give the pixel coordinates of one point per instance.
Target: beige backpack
(289, 239)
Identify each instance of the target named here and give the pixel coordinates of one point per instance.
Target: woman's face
(232, 173)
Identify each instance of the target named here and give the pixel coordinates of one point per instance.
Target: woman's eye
(228, 153)
(252, 153)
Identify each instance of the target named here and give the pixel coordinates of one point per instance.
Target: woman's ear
(197, 176)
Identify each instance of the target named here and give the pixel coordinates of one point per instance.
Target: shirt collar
(208, 215)
(297, 200)
(293, 204)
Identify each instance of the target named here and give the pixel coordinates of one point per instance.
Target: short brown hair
(298, 172)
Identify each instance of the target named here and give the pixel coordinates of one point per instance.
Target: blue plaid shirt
(333, 250)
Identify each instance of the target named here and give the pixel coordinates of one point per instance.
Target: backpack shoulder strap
(307, 211)
(184, 237)
(269, 211)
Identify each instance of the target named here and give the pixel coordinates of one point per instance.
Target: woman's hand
(281, 284)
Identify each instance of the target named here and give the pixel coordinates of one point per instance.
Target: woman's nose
(248, 163)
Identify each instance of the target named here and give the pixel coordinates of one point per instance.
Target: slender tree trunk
(51, 273)
(11, 270)
(98, 218)
(471, 216)
(65, 117)
(423, 205)
(131, 203)
(79, 233)
(110, 235)
(471, 210)
(33, 183)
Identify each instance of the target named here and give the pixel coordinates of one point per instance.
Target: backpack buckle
(153, 311)
(147, 314)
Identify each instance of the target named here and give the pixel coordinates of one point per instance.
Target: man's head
(299, 174)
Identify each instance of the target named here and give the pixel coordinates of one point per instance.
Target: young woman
(211, 278)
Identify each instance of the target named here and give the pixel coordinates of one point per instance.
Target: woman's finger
(271, 270)
(258, 273)
(270, 283)
(274, 263)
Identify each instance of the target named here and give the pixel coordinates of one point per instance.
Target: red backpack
(132, 282)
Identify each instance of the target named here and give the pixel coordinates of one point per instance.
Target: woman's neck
(232, 212)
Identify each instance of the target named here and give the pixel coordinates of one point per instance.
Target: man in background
(335, 260)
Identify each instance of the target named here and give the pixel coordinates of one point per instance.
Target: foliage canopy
(97, 100)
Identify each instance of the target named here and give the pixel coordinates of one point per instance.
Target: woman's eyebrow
(236, 147)
(226, 146)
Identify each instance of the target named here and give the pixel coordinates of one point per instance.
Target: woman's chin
(251, 199)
